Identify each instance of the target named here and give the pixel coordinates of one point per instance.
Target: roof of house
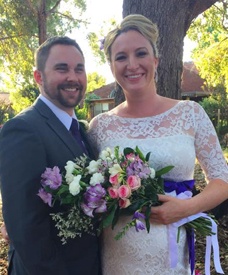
(4, 97)
(192, 84)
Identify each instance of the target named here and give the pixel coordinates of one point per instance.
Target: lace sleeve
(208, 149)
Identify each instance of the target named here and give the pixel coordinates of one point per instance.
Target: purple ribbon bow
(179, 187)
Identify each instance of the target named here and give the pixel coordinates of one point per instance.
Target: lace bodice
(176, 137)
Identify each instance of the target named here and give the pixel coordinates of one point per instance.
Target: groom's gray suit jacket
(30, 142)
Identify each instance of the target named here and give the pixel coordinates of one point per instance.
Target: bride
(175, 132)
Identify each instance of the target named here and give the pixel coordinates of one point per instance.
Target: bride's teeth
(134, 76)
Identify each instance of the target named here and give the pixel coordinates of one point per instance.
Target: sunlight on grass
(225, 152)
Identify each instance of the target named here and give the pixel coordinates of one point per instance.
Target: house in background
(4, 97)
(105, 102)
(192, 87)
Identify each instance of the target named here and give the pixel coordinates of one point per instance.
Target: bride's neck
(141, 107)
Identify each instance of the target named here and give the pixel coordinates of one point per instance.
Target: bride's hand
(171, 210)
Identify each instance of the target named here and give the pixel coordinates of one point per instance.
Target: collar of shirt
(61, 115)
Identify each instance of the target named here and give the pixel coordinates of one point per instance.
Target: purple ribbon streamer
(191, 248)
(180, 187)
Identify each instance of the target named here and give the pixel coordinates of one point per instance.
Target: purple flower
(46, 197)
(94, 193)
(87, 210)
(102, 207)
(94, 200)
(138, 224)
(138, 168)
(138, 215)
(51, 177)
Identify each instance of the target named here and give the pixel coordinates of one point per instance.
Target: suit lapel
(57, 127)
(90, 148)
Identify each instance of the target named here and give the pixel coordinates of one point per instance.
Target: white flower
(93, 166)
(70, 165)
(96, 178)
(74, 186)
(152, 173)
(105, 153)
(115, 169)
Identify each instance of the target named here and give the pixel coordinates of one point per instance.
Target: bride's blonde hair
(135, 22)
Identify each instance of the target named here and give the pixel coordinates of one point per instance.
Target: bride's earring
(156, 76)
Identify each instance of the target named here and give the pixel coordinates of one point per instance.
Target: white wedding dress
(176, 137)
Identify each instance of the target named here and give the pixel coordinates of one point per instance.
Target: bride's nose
(132, 63)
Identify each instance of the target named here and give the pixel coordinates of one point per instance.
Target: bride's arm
(213, 163)
(174, 209)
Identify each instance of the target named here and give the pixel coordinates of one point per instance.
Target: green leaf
(139, 152)
(128, 151)
(147, 219)
(164, 170)
(116, 152)
(148, 156)
(109, 218)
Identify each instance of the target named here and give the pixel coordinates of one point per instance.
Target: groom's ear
(38, 77)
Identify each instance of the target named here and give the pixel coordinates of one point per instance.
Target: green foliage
(95, 40)
(210, 31)
(81, 113)
(6, 111)
(216, 106)
(23, 98)
(95, 81)
(23, 25)
(95, 44)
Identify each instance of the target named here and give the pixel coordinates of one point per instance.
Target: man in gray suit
(37, 138)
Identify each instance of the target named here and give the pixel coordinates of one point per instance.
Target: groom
(37, 138)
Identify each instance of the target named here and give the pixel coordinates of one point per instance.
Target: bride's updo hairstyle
(135, 22)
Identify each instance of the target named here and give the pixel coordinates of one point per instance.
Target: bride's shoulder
(102, 117)
(116, 111)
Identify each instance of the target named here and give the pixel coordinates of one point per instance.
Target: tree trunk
(173, 18)
(42, 22)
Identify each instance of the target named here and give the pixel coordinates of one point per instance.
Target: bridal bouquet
(96, 193)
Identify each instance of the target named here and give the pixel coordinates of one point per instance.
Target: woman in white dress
(175, 132)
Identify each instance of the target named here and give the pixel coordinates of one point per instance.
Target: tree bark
(42, 22)
(173, 18)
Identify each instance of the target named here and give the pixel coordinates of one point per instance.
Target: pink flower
(124, 191)
(134, 182)
(113, 192)
(114, 180)
(131, 157)
(197, 272)
(124, 203)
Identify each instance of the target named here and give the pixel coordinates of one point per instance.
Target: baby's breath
(72, 224)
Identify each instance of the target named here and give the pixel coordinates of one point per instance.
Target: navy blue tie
(74, 129)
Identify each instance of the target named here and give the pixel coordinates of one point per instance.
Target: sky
(99, 11)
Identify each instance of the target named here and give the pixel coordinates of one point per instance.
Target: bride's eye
(141, 54)
(120, 57)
